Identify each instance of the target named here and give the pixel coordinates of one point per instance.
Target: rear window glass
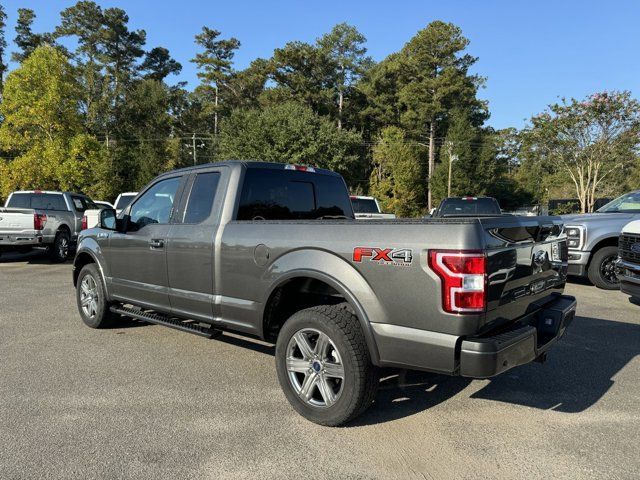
(291, 195)
(41, 201)
(364, 205)
(201, 197)
(20, 200)
(480, 206)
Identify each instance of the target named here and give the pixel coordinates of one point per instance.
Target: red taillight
(84, 223)
(39, 221)
(463, 276)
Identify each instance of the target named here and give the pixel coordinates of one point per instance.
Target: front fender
(339, 274)
(89, 246)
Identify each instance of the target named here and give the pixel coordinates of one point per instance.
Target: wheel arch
(329, 276)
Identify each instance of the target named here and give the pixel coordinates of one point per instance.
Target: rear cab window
(124, 201)
(40, 201)
(364, 205)
(201, 197)
(274, 194)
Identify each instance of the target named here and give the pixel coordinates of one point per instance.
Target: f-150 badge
(384, 256)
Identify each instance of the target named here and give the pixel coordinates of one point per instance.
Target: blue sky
(531, 52)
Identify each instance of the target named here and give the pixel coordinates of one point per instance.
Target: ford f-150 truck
(593, 239)
(273, 251)
(628, 263)
(42, 219)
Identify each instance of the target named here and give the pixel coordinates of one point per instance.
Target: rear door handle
(156, 243)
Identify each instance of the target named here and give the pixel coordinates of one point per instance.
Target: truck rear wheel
(59, 250)
(92, 299)
(324, 366)
(601, 270)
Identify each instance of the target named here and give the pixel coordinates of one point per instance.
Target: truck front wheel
(324, 366)
(92, 299)
(602, 272)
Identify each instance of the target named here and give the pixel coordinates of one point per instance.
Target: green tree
(397, 173)
(3, 46)
(592, 143)
(216, 67)
(344, 47)
(158, 64)
(25, 39)
(43, 127)
(290, 133)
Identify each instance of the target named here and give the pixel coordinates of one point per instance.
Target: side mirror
(108, 219)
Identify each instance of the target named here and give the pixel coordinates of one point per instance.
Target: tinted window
(364, 205)
(201, 197)
(48, 201)
(291, 195)
(83, 203)
(155, 205)
(124, 201)
(20, 200)
(459, 206)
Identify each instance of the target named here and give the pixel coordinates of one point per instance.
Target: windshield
(364, 205)
(469, 206)
(124, 201)
(628, 203)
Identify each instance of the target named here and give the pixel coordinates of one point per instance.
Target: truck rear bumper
(20, 239)
(528, 340)
(477, 357)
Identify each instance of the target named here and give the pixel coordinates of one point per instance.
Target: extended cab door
(192, 244)
(137, 257)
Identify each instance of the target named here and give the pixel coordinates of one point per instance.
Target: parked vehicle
(593, 239)
(273, 251)
(123, 200)
(467, 207)
(37, 218)
(367, 208)
(103, 204)
(628, 263)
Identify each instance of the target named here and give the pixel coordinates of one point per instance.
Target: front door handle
(156, 243)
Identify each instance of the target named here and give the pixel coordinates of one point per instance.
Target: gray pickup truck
(593, 239)
(273, 251)
(38, 218)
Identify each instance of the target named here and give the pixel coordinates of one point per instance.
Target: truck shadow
(34, 257)
(580, 370)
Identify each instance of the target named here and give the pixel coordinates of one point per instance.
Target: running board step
(159, 319)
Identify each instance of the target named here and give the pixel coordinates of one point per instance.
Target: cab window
(155, 205)
(201, 197)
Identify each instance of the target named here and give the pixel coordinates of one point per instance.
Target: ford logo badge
(635, 248)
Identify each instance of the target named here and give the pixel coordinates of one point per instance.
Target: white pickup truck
(368, 208)
(36, 218)
(628, 263)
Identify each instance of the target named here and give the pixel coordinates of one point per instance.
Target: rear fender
(339, 274)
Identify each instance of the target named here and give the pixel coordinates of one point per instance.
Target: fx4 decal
(384, 256)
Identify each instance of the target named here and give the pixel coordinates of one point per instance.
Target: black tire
(102, 317)
(357, 389)
(601, 270)
(59, 250)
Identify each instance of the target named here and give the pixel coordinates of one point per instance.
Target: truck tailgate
(526, 265)
(16, 220)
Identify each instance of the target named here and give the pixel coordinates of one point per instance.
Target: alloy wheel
(315, 368)
(89, 296)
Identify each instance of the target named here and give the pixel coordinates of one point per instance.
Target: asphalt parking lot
(143, 401)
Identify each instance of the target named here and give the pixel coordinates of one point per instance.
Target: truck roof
(255, 164)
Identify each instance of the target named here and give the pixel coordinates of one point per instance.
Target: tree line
(107, 116)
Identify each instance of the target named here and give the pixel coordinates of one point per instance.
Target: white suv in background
(367, 208)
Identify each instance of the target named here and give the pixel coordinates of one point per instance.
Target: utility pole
(215, 114)
(193, 145)
(452, 158)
